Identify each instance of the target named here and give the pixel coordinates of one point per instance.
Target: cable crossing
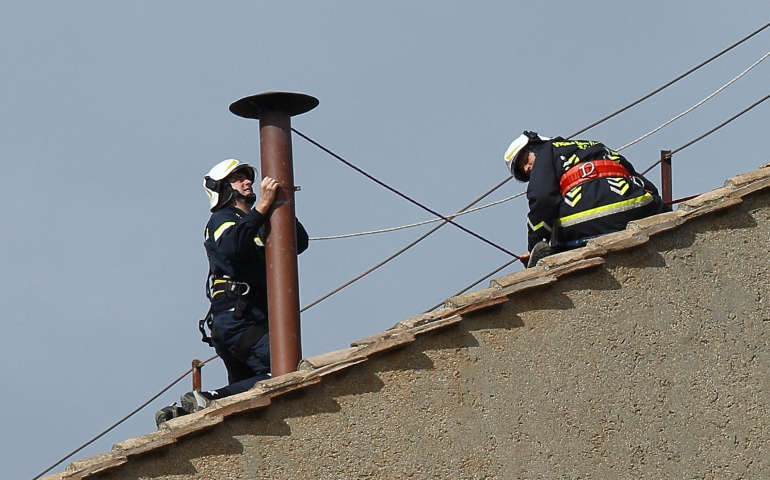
(404, 196)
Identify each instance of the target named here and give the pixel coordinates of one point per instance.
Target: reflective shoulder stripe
(221, 229)
(537, 227)
(605, 210)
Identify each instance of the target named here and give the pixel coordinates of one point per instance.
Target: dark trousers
(246, 370)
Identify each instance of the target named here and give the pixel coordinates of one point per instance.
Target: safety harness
(237, 290)
(585, 171)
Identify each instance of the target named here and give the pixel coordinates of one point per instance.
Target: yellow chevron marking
(538, 226)
(574, 201)
(574, 191)
(572, 160)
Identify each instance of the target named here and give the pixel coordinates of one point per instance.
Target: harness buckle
(584, 170)
(237, 288)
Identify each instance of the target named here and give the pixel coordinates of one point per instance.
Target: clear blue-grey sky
(112, 111)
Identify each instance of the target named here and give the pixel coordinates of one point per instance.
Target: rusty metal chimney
(274, 111)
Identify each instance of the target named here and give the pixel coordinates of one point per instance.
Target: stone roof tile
(242, 402)
(436, 324)
(470, 297)
(750, 177)
(182, 426)
(144, 443)
(86, 467)
(318, 361)
(612, 242)
(656, 223)
(53, 476)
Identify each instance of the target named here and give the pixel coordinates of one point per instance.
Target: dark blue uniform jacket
(592, 208)
(235, 246)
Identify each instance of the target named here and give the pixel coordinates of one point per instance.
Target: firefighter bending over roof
(577, 190)
(236, 285)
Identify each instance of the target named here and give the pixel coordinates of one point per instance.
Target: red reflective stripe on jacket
(584, 171)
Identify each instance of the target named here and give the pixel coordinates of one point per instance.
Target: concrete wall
(655, 365)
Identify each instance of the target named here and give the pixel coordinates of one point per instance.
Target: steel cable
(111, 427)
(715, 92)
(666, 85)
(418, 224)
(701, 137)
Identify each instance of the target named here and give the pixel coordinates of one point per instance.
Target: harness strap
(206, 322)
(585, 171)
(231, 288)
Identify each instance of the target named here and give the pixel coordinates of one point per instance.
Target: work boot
(541, 250)
(167, 413)
(195, 400)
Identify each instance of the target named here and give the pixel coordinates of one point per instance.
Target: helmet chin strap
(250, 198)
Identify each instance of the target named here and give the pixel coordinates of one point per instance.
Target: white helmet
(515, 148)
(219, 191)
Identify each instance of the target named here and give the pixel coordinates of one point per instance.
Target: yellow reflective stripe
(221, 229)
(230, 165)
(537, 227)
(206, 237)
(259, 241)
(216, 293)
(605, 210)
(577, 143)
(219, 281)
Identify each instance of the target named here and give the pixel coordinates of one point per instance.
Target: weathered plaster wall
(655, 365)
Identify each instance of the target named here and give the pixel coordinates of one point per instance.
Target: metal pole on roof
(196, 374)
(274, 111)
(665, 176)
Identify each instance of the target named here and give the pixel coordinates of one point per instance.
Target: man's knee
(259, 356)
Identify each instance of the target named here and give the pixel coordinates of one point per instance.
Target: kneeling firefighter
(236, 284)
(577, 190)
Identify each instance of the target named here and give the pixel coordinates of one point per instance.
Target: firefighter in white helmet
(578, 189)
(236, 284)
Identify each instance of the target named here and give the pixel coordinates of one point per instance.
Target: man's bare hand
(524, 258)
(267, 191)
